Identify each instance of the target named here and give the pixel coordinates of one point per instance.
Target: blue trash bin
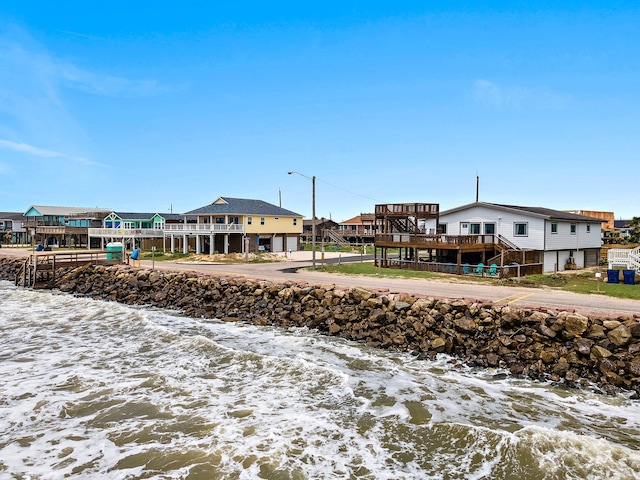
(629, 277)
(613, 276)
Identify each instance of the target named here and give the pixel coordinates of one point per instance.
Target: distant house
(359, 229)
(324, 226)
(559, 239)
(62, 226)
(12, 229)
(237, 225)
(606, 217)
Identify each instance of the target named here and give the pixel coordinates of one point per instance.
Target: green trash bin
(114, 251)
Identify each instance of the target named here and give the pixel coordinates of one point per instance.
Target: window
(249, 220)
(489, 228)
(573, 229)
(234, 220)
(219, 220)
(261, 220)
(443, 228)
(520, 229)
(474, 229)
(588, 228)
(295, 222)
(554, 228)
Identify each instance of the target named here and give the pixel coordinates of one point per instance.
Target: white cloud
(492, 95)
(40, 152)
(106, 85)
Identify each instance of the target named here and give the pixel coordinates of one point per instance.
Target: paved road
(294, 269)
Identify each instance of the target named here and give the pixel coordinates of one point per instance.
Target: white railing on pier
(126, 232)
(624, 257)
(203, 228)
(634, 259)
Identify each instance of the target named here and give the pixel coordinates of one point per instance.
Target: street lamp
(313, 215)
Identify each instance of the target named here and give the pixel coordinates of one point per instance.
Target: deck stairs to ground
(336, 237)
(507, 252)
(624, 257)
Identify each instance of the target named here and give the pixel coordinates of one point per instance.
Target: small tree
(634, 230)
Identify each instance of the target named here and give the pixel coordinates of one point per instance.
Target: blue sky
(147, 106)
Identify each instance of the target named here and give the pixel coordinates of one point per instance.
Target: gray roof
(11, 216)
(534, 211)
(552, 214)
(63, 211)
(148, 216)
(621, 223)
(134, 215)
(242, 206)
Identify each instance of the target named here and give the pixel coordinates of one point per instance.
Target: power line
(348, 191)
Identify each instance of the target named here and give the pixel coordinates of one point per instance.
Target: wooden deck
(468, 243)
(39, 269)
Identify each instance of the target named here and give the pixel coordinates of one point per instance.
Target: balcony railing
(434, 240)
(418, 209)
(203, 228)
(126, 232)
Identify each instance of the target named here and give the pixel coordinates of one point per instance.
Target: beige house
(237, 225)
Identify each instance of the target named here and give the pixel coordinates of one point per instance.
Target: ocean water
(97, 390)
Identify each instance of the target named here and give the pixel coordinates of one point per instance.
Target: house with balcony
(558, 240)
(12, 229)
(360, 229)
(484, 238)
(62, 226)
(145, 230)
(236, 225)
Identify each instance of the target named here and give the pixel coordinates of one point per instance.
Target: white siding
(551, 262)
(564, 239)
(504, 221)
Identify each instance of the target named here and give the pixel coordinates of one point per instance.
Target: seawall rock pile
(563, 347)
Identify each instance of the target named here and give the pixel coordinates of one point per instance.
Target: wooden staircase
(507, 252)
(335, 237)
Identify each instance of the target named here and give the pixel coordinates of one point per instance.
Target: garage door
(292, 244)
(277, 245)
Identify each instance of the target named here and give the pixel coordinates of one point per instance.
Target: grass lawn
(578, 283)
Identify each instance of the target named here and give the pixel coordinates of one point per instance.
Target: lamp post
(313, 215)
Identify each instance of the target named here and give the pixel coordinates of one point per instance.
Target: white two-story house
(560, 240)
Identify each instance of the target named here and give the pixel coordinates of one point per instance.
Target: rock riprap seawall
(540, 344)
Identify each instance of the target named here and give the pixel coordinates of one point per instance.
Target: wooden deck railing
(488, 271)
(411, 209)
(41, 267)
(434, 240)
